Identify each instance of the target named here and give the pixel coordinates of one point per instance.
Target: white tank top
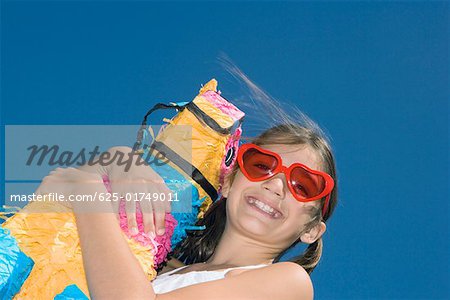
(168, 281)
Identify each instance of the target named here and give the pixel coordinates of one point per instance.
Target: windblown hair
(294, 129)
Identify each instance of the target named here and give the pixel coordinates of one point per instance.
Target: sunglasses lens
(258, 164)
(306, 184)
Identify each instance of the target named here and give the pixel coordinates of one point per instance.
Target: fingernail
(134, 231)
(161, 231)
(151, 234)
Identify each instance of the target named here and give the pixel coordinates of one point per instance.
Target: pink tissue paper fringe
(160, 245)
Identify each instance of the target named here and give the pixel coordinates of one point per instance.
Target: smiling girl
(291, 215)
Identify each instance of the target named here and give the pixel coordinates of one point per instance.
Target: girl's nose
(275, 185)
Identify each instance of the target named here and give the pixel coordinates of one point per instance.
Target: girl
(281, 192)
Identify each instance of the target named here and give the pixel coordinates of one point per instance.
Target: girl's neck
(237, 250)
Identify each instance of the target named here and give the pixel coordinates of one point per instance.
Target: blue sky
(374, 75)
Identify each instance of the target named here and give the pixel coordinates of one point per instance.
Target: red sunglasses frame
(280, 168)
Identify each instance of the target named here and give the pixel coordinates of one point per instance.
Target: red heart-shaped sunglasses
(305, 184)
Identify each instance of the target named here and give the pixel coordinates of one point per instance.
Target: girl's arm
(104, 169)
(113, 272)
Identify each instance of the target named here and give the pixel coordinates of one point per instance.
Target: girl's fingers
(147, 215)
(149, 226)
(167, 207)
(115, 200)
(160, 225)
(159, 212)
(169, 199)
(115, 203)
(130, 208)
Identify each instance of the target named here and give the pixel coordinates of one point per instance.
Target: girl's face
(267, 211)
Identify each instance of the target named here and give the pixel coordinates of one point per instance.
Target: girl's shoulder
(289, 268)
(284, 280)
(279, 277)
(284, 274)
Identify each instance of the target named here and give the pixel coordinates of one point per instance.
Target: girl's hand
(141, 183)
(82, 191)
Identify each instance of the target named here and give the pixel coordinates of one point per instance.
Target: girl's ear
(314, 233)
(226, 184)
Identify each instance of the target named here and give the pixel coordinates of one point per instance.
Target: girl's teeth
(264, 207)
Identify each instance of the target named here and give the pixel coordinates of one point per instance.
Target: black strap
(187, 168)
(157, 106)
(201, 115)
